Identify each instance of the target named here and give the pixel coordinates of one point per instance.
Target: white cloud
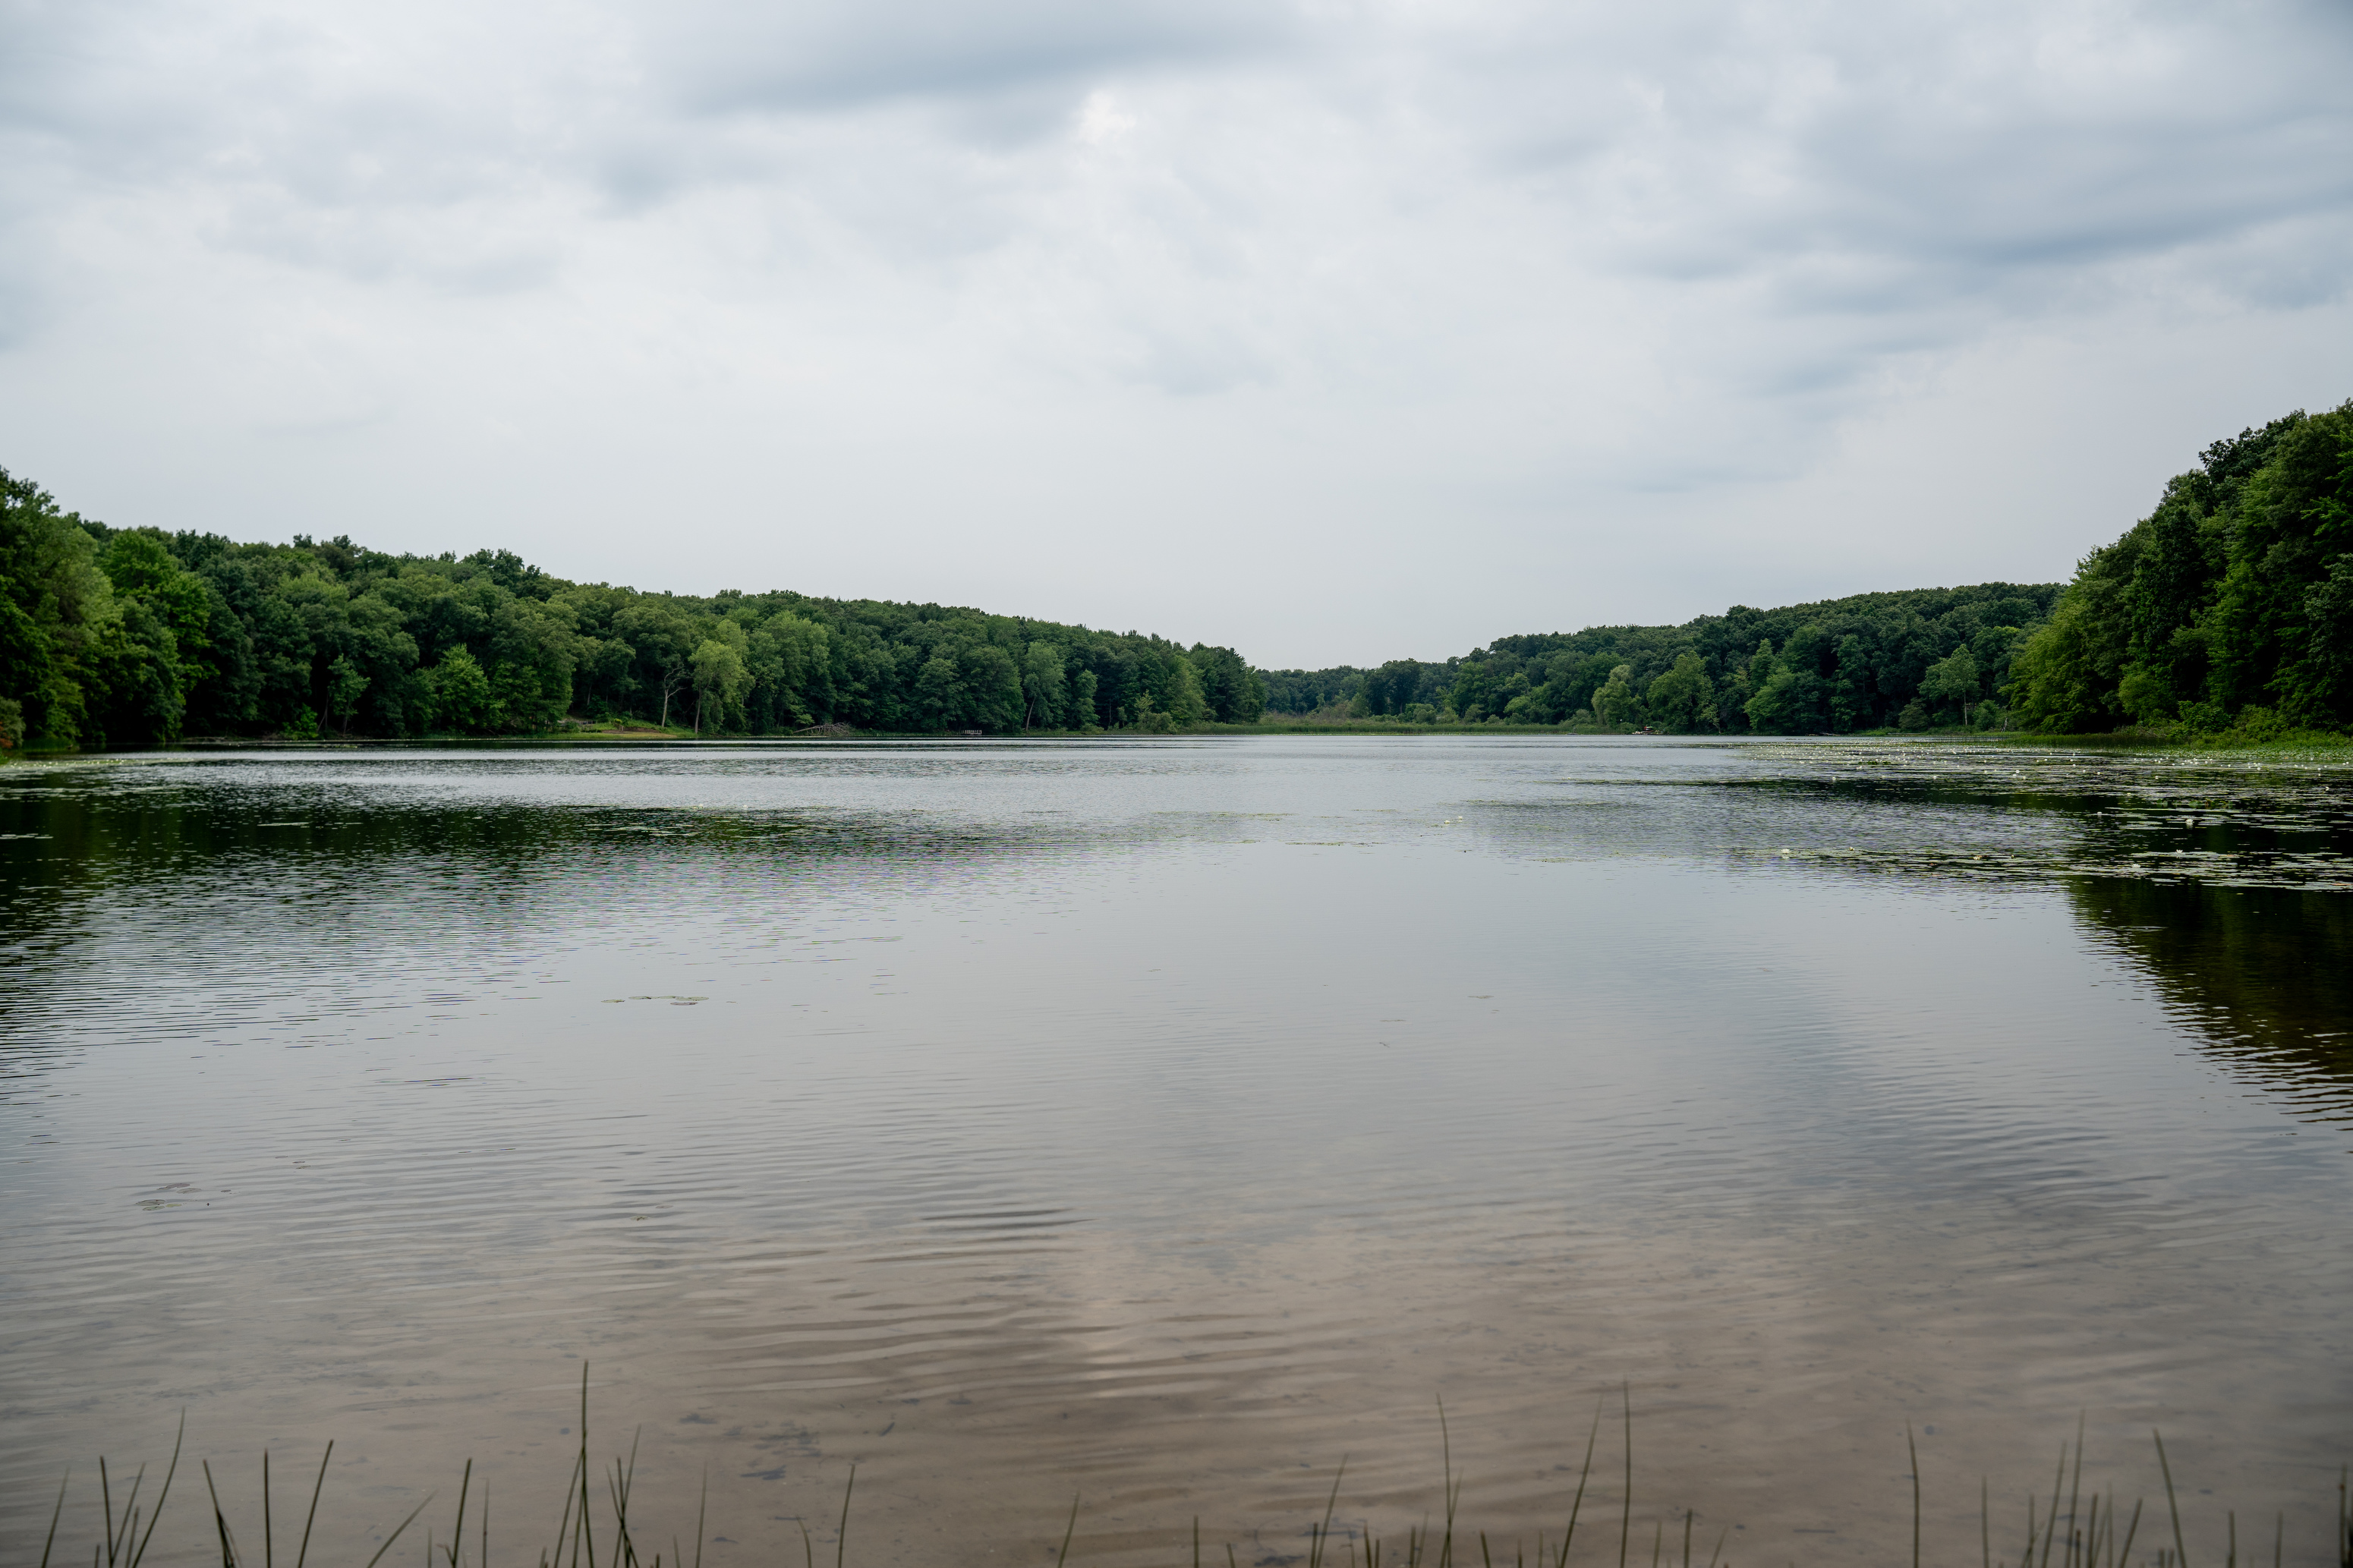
(1101, 121)
(1325, 328)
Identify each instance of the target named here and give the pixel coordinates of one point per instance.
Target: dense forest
(129, 637)
(2228, 606)
(1912, 659)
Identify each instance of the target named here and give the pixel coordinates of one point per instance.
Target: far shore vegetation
(2225, 617)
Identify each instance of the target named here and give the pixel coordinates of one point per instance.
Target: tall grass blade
(404, 1524)
(458, 1531)
(55, 1514)
(220, 1522)
(582, 1532)
(1625, 1526)
(564, 1521)
(2076, 1487)
(1911, 1449)
(1454, 1490)
(2123, 1553)
(1068, 1530)
(616, 1489)
(1317, 1543)
(1583, 1476)
(169, 1472)
(316, 1487)
(2051, 1526)
(119, 1539)
(841, 1535)
(2181, 1557)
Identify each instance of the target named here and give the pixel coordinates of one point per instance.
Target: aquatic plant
(2086, 1531)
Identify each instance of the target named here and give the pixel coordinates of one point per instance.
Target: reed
(2073, 1531)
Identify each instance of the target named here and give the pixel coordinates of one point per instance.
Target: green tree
(1474, 695)
(61, 618)
(1081, 712)
(344, 686)
(1045, 692)
(1233, 692)
(1778, 707)
(1683, 700)
(142, 570)
(2321, 682)
(1180, 695)
(1851, 705)
(1615, 706)
(139, 678)
(2219, 605)
(992, 688)
(939, 693)
(664, 641)
(721, 681)
(1954, 679)
(460, 692)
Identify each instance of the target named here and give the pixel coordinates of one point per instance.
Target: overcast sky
(1333, 329)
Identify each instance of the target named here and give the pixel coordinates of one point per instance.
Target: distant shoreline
(2135, 737)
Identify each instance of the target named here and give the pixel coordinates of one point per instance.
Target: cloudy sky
(1334, 329)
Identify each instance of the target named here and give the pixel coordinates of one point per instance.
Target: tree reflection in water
(2263, 977)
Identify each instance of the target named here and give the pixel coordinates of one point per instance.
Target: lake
(1164, 1122)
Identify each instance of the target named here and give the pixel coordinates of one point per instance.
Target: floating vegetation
(2218, 820)
(2039, 813)
(2295, 872)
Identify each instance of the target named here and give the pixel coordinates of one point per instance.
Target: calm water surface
(1164, 1122)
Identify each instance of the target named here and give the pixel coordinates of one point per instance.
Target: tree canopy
(135, 636)
(1911, 658)
(2230, 604)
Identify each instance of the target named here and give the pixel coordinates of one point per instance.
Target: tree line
(2230, 606)
(132, 636)
(1909, 659)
